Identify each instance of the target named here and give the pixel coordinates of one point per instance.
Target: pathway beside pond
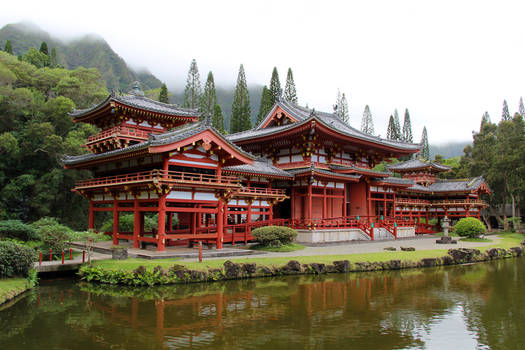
(426, 242)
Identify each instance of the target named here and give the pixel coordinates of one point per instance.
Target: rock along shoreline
(231, 271)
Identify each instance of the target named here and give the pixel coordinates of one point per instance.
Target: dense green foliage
(15, 259)
(126, 223)
(274, 235)
(469, 227)
(35, 130)
(241, 119)
(407, 128)
(392, 133)
(163, 94)
(367, 123)
(218, 119)
(275, 85)
(425, 148)
(266, 104)
(89, 51)
(53, 235)
(16, 229)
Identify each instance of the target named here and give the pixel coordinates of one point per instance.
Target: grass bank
(11, 287)
(508, 240)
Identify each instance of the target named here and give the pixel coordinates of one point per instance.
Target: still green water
(478, 306)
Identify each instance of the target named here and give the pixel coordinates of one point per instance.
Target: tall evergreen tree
(391, 132)
(367, 123)
(192, 92)
(407, 128)
(43, 48)
(342, 110)
(240, 119)
(521, 109)
(163, 94)
(266, 104)
(425, 148)
(505, 115)
(218, 118)
(8, 47)
(290, 93)
(397, 125)
(53, 58)
(209, 97)
(484, 120)
(275, 85)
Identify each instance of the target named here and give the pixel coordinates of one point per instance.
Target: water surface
(478, 306)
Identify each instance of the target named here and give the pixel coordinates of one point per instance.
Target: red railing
(166, 176)
(118, 131)
(273, 192)
(452, 202)
(411, 201)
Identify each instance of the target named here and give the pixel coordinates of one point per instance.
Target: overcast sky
(446, 61)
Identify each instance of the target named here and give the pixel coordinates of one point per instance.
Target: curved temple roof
(330, 120)
(415, 164)
(141, 102)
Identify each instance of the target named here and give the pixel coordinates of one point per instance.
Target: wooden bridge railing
(119, 131)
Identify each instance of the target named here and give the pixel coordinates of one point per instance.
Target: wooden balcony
(261, 193)
(161, 177)
(413, 202)
(119, 131)
(460, 203)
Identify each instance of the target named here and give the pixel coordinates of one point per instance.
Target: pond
(477, 306)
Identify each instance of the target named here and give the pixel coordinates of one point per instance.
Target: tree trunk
(514, 223)
(500, 221)
(486, 218)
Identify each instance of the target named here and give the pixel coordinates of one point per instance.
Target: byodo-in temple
(299, 167)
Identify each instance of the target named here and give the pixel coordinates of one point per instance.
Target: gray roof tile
(260, 166)
(417, 164)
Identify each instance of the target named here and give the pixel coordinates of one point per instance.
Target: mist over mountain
(449, 149)
(89, 51)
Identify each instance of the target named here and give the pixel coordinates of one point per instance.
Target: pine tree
(290, 93)
(521, 109)
(425, 148)
(485, 119)
(367, 123)
(391, 133)
(209, 97)
(240, 119)
(342, 110)
(192, 92)
(163, 94)
(505, 115)
(397, 125)
(266, 104)
(407, 128)
(53, 58)
(8, 47)
(43, 48)
(218, 119)
(275, 85)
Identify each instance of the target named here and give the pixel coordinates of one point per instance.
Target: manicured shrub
(53, 235)
(274, 235)
(15, 259)
(469, 227)
(18, 230)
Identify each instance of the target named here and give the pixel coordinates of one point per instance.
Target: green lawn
(292, 247)
(509, 240)
(11, 287)
(475, 239)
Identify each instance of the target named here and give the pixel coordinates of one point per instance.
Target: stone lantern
(446, 239)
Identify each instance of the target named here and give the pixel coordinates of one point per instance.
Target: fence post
(83, 256)
(50, 254)
(40, 258)
(70, 253)
(63, 257)
(200, 251)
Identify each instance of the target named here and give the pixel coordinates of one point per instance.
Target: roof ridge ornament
(135, 90)
(313, 113)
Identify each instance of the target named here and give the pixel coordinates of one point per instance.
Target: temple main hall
(299, 167)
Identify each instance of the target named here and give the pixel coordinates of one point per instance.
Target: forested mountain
(89, 51)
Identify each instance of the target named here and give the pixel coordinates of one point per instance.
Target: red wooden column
(292, 205)
(249, 216)
(91, 224)
(115, 222)
(325, 215)
(345, 196)
(309, 202)
(161, 234)
(270, 212)
(136, 223)
(220, 223)
(368, 200)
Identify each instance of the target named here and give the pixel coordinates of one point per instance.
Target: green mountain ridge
(89, 51)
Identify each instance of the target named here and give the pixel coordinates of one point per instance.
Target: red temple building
(301, 168)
